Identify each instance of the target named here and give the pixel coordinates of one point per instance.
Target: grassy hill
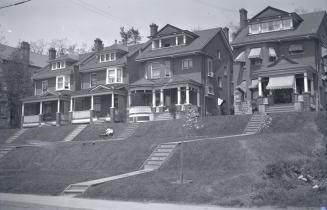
(235, 171)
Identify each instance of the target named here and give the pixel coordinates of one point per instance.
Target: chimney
(98, 45)
(153, 29)
(234, 36)
(25, 49)
(52, 53)
(116, 41)
(226, 32)
(243, 17)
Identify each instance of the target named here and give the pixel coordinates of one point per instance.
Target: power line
(15, 4)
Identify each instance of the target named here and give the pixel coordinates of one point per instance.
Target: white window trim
(151, 67)
(54, 65)
(116, 75)
(260, 30)
(43, 82)
(210, 71)
(63, 82)
(105, 57)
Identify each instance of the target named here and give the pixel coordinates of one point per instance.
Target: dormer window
(107, 57)
(58, 65)
(169, 41)
(270, 26)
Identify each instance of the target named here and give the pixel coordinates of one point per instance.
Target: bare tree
(125, 35)
(39, 46)
(135, 35)
(2, 37)
(130, 36)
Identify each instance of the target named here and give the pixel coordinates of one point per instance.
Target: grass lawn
(45, 134)
(6, 134)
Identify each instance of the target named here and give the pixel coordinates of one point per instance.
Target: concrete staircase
(75, 132)
(15, 136)
(160, 154)
(163, 116)
(128, 131)
(255, 124)
(280, 108)
(4, 150)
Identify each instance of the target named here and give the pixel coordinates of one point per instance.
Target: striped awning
(286, 82)
(272, 52)
(254, 84)
(255, 53)
(240, 57)
(242, 86)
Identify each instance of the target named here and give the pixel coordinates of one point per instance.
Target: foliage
(321, 121)
(2, 37)
(130, 36)
(191, 121)
(18, 84)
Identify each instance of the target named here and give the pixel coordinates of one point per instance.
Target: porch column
(112, 100)
(40, 114)
(179, 96)
(184, 39)
(295, 90)
(259, 86)
(161, 97)
(198, 97)
(305, 82)
(187, 94)
(160, 45)
(92, 102)
(71, 105)
(112, 108)
(23, 108)
(312, 87)
(176, 41)
(129, 98)
(22, 117)
(153, 98)
(58, 114)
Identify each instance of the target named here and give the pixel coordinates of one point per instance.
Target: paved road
(35, 202)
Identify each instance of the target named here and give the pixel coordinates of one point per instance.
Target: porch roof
(280, 82)
(48, 96)
(100, 90)
(284, 66)
(172, 81)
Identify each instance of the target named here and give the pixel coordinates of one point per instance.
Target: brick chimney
(243, 18)
(52, 53)
(153, 29)
(98, 45)
(226, 32)
(25, 49)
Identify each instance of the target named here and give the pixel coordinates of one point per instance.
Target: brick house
(139, 82)
(280, 62)
(35, 62)
(177, 68)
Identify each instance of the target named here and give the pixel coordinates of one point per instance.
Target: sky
(81, 21)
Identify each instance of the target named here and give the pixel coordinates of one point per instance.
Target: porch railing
(31, 119)
(139, 109)
(81, 114)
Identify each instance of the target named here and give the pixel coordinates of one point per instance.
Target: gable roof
(171, 30)
(269, 12)
(308, 27)
(35, 59)
(204, 37)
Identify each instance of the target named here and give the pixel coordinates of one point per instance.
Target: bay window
(155, 70)
(63, 82)
(114, 75)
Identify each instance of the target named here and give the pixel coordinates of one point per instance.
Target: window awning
(254, 84)
(272, 52)
(240, 57)
(286, 82)
(242, 86)
(323, 52)
(296, 47)
(255, 53)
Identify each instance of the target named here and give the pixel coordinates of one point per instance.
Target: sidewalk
(48, 202)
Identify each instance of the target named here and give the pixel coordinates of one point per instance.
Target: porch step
(75, 132)
(163, 116)
(280, 108)
(255, 124)
(15, 136)
(159, 155)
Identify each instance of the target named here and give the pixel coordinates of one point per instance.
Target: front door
(283, 96)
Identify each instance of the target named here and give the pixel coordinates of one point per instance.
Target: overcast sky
(84, 20)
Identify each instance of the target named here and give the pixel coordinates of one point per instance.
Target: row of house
(276, 62)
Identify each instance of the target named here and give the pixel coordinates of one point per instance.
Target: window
(254, 28)
(210, 68)
(107, 57)
(270, 26)
(114, 75)
(287, 24)
(3, 111)
(218, 54)
(63, 82)
(220, 82)
(211, 90)
(93, 79)
(187, 63)
(44, 86)
(295, 49)
(167, 69)
(155, 70)
(58, 65)
(256, 61)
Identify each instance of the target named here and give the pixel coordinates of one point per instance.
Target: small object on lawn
(315, 187)
(93, 142)
(301, 177)
(109, 132)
